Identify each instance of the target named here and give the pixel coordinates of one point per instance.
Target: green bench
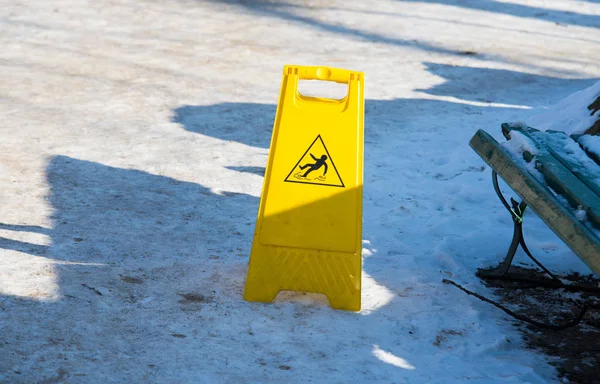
(557, 176)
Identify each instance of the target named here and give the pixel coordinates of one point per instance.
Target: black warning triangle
(316, 167)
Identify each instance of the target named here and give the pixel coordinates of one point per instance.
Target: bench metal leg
(517, 211)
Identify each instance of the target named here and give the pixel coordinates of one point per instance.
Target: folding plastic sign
(308, 234)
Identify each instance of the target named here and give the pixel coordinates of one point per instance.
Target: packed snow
(517, 146)
(591, 144)
(570, 115)
(133, 145)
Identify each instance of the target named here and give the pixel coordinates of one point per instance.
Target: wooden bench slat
(578, 162)
(581, 239)
(570, 187)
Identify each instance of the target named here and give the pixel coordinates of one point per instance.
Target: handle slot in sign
(322, 90)
(322, 74)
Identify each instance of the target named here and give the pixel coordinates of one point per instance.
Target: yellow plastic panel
(309, 227)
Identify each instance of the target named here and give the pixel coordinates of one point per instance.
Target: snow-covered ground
(134, 135)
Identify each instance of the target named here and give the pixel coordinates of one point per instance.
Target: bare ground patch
(574, 351)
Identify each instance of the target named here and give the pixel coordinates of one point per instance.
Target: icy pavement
(133, 141)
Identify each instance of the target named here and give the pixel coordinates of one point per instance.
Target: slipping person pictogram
(311, 169)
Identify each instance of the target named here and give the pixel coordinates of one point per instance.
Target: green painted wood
(565, 183)
(577, 162)
(572, 175)
(581, 239)
(586, 170)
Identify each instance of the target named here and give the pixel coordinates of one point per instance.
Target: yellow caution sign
(308, 234)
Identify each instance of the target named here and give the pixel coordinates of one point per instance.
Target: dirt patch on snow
(574, 351)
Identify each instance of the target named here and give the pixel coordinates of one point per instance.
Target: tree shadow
(111, 217)
(501, 85)
(25, 228)
(102, 213)
(520, 10)
(260, 171)
(287, 10)
(246, 123)
(251, 123)
(125, 243)
(23, 246)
